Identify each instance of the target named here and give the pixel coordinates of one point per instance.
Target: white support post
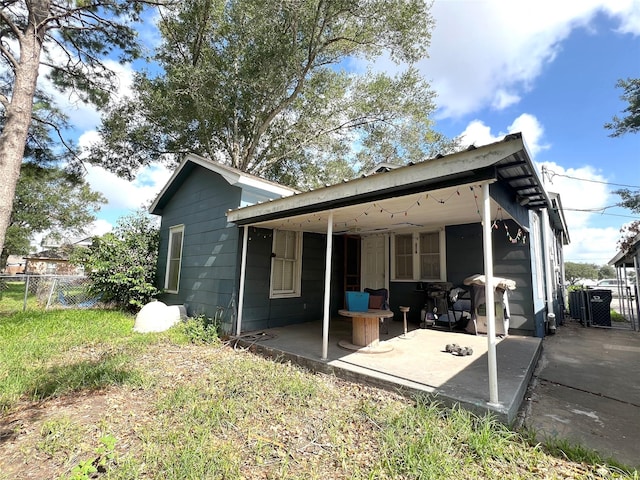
(547, 239)
(636, 293)
(489, 296)
(327, 288)
(243, 271)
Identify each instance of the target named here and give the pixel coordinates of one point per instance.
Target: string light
(520, 236)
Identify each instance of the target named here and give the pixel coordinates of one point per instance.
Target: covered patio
(483, 187)
(417, 364)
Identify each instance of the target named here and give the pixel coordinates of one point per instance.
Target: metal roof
(396, 191)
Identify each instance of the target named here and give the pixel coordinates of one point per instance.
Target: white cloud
(125, 195)
(82, 115)
(592, 245)
(585, 196)
(477, 133)
(489, 53)
(583, 191)
(121, 193)
(98, 228)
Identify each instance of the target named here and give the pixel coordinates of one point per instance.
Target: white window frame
(297, 267)
(172, 230)
(417, 274)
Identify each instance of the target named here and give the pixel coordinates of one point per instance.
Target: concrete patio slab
(416, 364)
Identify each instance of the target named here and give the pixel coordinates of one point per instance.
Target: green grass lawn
(12, 298)
(94, 398)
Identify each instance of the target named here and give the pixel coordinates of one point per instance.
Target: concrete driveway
(586, 389)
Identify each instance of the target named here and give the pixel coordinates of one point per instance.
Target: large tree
(574, 272)
(270, 88)
(51, 196)
(630, 122)
(48, 200)
(68, 41)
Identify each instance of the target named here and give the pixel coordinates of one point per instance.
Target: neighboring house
(15, 265)
(257, 251)
(54, 261)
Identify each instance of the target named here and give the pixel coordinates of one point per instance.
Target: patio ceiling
(437, 192)
(437, 208)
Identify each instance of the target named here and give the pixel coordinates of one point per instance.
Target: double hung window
(418, 256)
(286, 264)
(174, 259)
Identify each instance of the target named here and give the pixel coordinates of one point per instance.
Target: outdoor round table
(365, 336)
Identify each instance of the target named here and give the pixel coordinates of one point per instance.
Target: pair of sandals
(456, 349)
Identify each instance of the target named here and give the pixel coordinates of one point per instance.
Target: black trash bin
(579, 306)
(600, 307)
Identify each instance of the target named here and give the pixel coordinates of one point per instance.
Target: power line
(599, 211)
(550, 174)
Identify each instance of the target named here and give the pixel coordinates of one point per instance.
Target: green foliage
(232, 412)
(122, 264)
(260, 86)
(201, 330)
(606, 271)
(631, 200)
(630, 123)
(37, 352)
(87, 32)
(617, 317)
(105, 455)
(576, 271)
(76, 41)
(59, 436)
(49, 199)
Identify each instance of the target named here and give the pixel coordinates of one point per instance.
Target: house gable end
(253, 189)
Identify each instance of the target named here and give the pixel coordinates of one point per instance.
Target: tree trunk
(18, 116)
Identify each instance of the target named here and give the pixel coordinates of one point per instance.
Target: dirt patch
(123, 409)
(31, 449)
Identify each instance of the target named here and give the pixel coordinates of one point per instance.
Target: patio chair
(458, 309)
(378, 300)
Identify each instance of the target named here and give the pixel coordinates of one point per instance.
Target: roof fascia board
(231, 176)
(457, 167)
(484, 176)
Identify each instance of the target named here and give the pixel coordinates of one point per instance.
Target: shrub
(201, 330)
(122, 264)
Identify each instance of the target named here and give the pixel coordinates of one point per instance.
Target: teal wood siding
(513, 260)
(510, 260)
(465, 257)
(259, 310)
(209, 269)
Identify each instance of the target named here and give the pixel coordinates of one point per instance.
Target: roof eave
(477, 164)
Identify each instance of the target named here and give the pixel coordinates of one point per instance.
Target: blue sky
(547, 69)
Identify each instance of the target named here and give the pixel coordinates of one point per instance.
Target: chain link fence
(22, 292)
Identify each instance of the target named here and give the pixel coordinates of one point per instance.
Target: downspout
(489, 296)
(327, 288)
(243, 271)
(548, 263)
(563, 282)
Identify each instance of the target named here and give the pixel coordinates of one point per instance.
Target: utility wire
(550, 174)
(599, 210)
